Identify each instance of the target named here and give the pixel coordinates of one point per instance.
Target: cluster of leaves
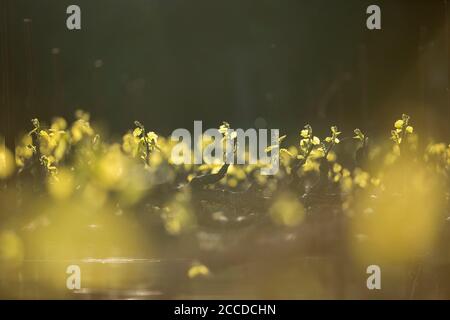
(49, 145)
(78, 163)
(140, 143)
(401, 129)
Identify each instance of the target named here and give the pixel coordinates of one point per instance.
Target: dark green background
(169, 62)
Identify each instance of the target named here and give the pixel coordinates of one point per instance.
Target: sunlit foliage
(77, 193)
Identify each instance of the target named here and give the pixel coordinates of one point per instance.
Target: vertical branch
(363, 74)
(3, 67)
(424, 117)
(57, 82)
(7, 125)
(96, 86)
(29, 65)
(447, 35)
(340, 114)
